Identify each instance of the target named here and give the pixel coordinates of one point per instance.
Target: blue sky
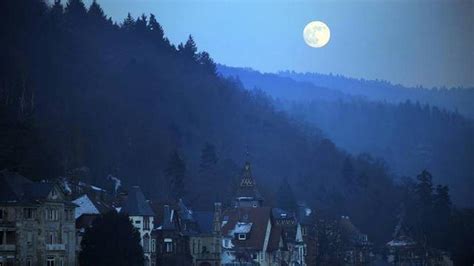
(417, 42)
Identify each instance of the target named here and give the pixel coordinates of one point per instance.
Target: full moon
(316, 34)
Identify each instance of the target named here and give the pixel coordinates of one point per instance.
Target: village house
(255, 234)
(142, 218)
(187, 237)
(37, 225)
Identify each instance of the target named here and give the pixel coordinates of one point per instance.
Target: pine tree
(206, 61)
(75, 9)
(129, 23)
(424, 192)
(189, 49)
(155, 29)
(141, 25)
(442, 215)
(424, 188)
(285, 197)
(96, 13)
(348, 171)
(175, 173)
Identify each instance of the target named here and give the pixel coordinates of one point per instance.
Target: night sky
(428, 43)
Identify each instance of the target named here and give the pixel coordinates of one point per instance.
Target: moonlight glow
(316, 34)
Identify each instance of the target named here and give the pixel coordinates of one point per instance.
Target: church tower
(247, 193)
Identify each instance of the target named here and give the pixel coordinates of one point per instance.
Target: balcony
(8, 247)
(55, 247)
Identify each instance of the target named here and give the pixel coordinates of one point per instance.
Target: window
(52, 214)
(138, 222)
(146, 223)
(50, 261)
(168, 245)
(242, 236)
(227, 243)
(3, 214)
(51, 238)
(28, 262)
(153, 245)
(29, 213)
(146, 243)
(29, 238)
(68, 215)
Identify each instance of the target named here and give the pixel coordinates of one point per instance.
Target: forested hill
(410, 136)
(83, 96)
(453, 99)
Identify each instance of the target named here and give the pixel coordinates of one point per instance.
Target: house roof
(17, 188)
(275, 237)
(136, 204)
(35, 191)
(86, 206)
(12, 186)
(259, 217)
(248, 187)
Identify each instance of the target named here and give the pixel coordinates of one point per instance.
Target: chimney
(217, 218)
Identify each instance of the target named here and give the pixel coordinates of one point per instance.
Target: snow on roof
(85, 206)
(242, 228)
(400, 243)
(97, 188)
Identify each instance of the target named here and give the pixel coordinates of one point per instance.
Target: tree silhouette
(112, 240)
(175, 173)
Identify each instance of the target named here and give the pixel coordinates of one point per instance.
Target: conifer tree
(156, 30)
(189, 49)
(96, 13)
(175, 173)
(129, 23)
(285, 197)
(75, 9)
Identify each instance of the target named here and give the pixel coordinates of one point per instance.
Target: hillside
(409, 136)
(84, 97)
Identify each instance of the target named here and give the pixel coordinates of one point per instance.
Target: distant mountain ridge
(336, 87)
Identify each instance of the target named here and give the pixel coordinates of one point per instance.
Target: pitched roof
(17, 188)
(248, 187)
(275, 237)
(86, 206)
(35, 191)
(136, 204)
(11, 186)
(259, 217)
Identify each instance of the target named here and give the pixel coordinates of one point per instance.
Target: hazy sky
(413, 42)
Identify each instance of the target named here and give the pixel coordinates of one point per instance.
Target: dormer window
(242, 236)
